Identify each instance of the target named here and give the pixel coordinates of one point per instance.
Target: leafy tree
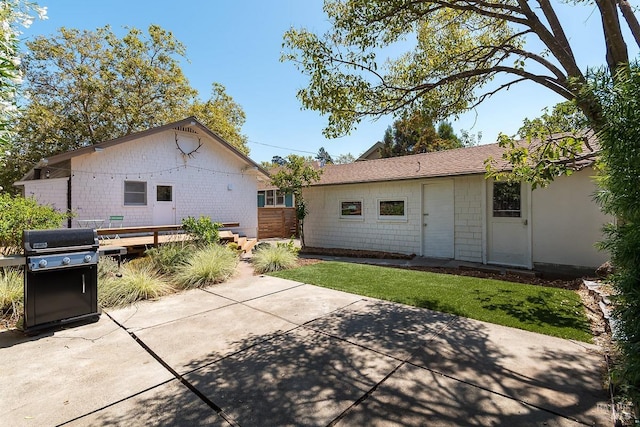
(296, 175)
(445, 132)
(344, 159)
(324, 157)
(468, 139)
(415, 134)
(223, 115)
(278, 160)
(13, 15)
(85, 87)
(483, 40)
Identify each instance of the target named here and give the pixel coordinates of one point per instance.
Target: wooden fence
(276, 222)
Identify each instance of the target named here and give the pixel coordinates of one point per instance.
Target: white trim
(351, 217)
(391, 218)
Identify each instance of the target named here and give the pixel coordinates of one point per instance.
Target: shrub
(167, 258)
(18, 214)
(274, 258)
(11, 293)
(202, 230)
(138, 281)
(211, 264)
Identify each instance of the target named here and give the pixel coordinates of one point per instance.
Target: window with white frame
(351, 209)
(392, 209)
(272, 197)
(135, 193)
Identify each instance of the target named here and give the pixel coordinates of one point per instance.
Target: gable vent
(185, 129)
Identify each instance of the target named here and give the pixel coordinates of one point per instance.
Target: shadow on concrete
(376, 363)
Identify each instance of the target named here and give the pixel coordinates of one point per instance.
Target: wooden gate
(276, 222)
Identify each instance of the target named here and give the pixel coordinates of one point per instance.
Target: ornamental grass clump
(11, 293)
(135, 281)
(169, 257)
(274, 258)
(211, 264)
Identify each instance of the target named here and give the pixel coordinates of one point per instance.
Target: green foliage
(384, 57)
(84, 87)
(209, 265)
(343, 159)
(297, 174)
(620, 196)
(550, 311)
(11, 293)
(222, 115)
(136, 281)
(274, 258)
(416, 133)
(18, 214)
(203, 230)
(324, 157)
(169, 257)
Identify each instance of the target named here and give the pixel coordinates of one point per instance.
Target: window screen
(135, 193)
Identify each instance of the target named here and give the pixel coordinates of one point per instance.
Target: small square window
(164, 193)
(135, 193)
(506, 200)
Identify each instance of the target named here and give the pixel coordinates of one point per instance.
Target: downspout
(69, 223)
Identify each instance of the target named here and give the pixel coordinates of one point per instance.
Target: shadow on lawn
(536, 309)
(373, 363)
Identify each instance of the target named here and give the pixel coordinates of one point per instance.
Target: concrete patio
(260, 351)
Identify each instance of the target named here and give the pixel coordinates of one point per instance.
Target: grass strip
(549, 311)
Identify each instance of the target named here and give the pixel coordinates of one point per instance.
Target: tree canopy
(296, 174)
(416, 133)
(86, 87)
(13, 15)
(460, 47)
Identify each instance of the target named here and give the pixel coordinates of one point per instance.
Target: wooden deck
(150, 236)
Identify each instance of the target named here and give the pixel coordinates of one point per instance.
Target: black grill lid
(59, 239)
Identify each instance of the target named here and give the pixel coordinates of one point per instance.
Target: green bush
(18, 214)
(274, 258)
(619, 196)
(209, 265)
(203, 230)
(136, 281)
(11, 293)
(168, 257)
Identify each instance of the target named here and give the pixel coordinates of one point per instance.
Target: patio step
(249, 244)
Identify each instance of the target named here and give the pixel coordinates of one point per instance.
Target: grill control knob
(66, 260)
(87, 258)
(42, 263)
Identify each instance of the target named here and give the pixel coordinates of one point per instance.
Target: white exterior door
(508, 228)
(164, 205)
(438, 219)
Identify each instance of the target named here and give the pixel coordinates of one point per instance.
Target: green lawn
(549, 311)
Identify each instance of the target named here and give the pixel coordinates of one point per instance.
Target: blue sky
(238, 44)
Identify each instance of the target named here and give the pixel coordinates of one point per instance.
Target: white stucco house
(440, 205)
(155, 177)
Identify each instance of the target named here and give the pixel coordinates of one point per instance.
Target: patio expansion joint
(218, 410)
(407, 361)
(124, 399)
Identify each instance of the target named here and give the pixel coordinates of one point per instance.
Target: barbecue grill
(61, 277)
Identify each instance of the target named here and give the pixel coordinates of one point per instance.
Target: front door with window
(164, 207)
(508, 225)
